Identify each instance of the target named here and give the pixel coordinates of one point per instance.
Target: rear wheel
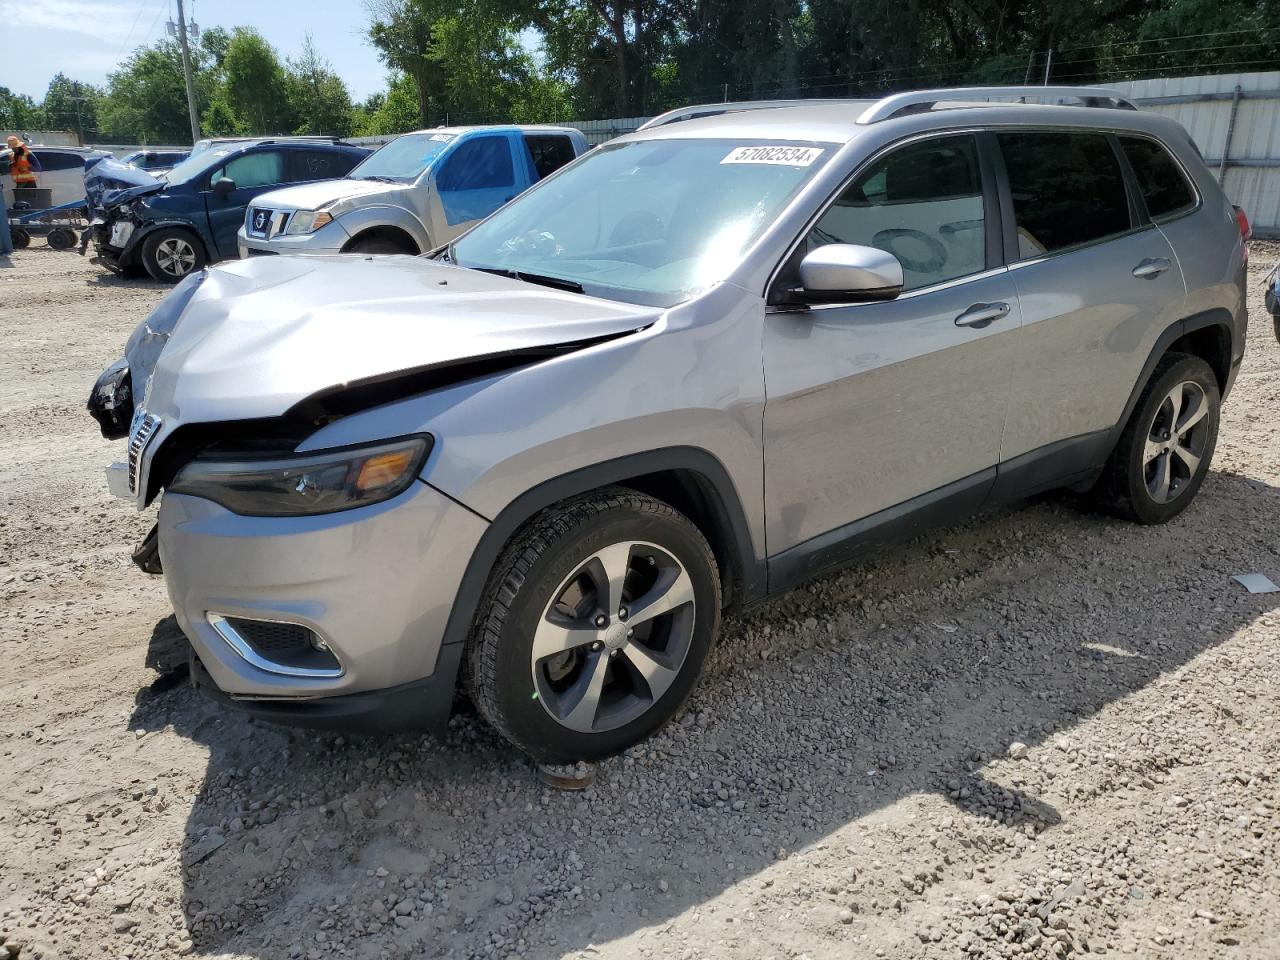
(595, 626)
(171, 254)
(1165, 450)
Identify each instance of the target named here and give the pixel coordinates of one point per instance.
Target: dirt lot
(1044, 733)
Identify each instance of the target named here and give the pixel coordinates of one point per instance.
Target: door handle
(1151, 267)
(982, 314)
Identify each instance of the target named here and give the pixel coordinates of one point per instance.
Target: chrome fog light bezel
(220, 622)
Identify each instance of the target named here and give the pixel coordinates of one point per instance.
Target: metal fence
(1234, 119)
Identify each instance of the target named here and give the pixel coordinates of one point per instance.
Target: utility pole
(78, 98)
(186, 73)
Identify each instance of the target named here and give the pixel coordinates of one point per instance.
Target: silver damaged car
(706, 362)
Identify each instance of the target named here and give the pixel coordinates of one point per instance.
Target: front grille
(139, 437)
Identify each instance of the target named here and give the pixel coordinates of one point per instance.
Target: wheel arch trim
(1219, 318)
(749, 574)
(140, 235)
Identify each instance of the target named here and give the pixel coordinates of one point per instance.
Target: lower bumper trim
(424, 704)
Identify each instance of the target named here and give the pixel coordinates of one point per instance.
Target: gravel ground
(1045, 733)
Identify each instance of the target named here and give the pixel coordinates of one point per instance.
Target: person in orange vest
(22, 164)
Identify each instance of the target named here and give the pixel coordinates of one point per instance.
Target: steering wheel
(541, 242)
(891, 240)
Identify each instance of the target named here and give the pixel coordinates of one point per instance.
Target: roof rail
(694, 111)
(917, 101)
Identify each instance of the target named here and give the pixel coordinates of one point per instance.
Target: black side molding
(837, 548)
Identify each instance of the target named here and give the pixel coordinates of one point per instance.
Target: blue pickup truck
(419, 191)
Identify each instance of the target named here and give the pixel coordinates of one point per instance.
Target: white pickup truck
(419, 191)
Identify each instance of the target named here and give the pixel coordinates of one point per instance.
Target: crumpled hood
(326, 193)
(262, 334)
(110, 182)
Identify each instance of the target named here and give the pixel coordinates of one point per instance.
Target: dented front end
(250, 359)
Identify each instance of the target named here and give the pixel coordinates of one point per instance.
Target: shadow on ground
(904, 676)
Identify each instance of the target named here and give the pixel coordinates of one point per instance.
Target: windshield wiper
(557, 283)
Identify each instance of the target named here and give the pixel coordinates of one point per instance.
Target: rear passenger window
(318, 165)
(1164, 186)
(1067, 190)
(550, 152)
(923, 204)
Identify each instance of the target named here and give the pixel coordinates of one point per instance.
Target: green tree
(71, 105)
(145, 99)
(219, 120)
(317, 96)
(253, 83)
(396, 111)
(19, 112)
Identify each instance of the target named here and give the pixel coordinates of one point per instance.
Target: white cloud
(105, 20)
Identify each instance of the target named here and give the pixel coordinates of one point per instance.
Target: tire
(1153, 474)
(61, 238)
(171, 254)
(543, 593)
(378, 246)
(21, 239)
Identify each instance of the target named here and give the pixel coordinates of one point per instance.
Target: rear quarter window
(549, 152)
(51, 160)
(1163, 185)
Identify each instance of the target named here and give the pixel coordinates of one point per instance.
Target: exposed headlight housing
(307, 484)
(308, 221)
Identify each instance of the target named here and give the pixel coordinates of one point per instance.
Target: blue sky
(85, 39)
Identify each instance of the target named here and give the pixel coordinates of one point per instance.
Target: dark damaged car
(175, 223)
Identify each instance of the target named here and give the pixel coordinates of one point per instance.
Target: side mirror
(847, 273)
(224, 187)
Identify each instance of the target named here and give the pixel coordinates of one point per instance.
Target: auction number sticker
(780, 156)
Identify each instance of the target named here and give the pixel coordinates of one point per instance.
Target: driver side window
(253, 170)
(922, 203)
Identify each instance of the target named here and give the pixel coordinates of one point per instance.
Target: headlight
(308, 221)
(309, 483)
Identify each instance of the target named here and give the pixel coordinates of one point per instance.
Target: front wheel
(171, 254)
(1165, 449)
(595, 626)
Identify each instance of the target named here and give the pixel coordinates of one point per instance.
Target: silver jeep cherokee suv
(706, 362)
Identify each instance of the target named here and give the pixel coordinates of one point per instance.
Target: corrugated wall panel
(1255, 138)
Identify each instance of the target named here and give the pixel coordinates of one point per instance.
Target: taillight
(1246, 231)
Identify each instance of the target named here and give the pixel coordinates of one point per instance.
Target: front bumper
(376, 584)
(326, 241)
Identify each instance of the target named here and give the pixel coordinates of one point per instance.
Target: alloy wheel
(614, 637)
(175, 256)
(1176, 442)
